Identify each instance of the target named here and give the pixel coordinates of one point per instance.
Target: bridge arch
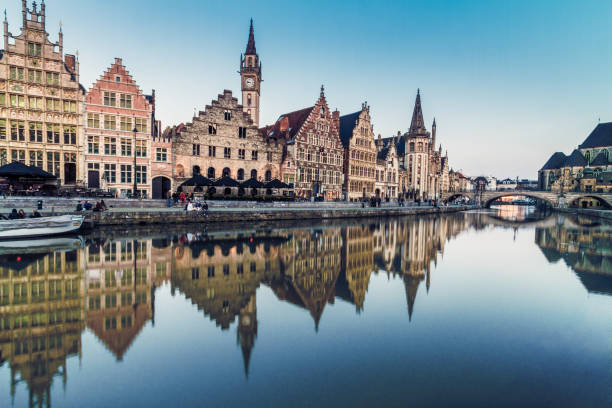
(453, 196)
(580, 202)
(488, 199)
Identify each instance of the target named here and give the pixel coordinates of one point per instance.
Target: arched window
(254, 174)
(227, 191)
(226, 172)
(268, 175)
(195, 171)
(211, 173)
(240, 174)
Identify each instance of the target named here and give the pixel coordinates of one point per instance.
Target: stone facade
(360, 153)
(314, 154)
(588, 168)
(115, 106)
(222, 141)
(41, 101)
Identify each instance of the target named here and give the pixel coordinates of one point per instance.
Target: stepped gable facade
(360, 154)
(223, 141)
(115, 108)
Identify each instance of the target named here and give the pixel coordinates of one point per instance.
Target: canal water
(497, 308)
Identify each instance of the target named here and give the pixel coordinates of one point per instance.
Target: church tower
(250, 75)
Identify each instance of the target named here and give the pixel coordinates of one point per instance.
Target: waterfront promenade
(139, 212)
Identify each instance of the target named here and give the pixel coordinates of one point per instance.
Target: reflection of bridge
(548, 222)
(487, 197)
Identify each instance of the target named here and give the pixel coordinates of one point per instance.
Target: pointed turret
(417, 126)
(250, 48)
(433, 134)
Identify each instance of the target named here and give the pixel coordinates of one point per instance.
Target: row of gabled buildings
(107, 137)
(319, 151)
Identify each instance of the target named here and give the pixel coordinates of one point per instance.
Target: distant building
(41, 100)
(507, 184)
(587, 168)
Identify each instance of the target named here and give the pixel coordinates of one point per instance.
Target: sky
(509, 82)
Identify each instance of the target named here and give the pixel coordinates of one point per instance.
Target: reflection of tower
(412, 286)
(247, 331)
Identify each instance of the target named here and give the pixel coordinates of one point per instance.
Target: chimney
(284, 124)
(336, 118)
(70, 61)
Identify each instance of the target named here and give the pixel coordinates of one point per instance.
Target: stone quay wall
(153, 217)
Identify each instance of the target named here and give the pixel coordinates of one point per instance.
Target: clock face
(249, 82)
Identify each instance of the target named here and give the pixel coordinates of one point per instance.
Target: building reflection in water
(121, 277)
(584, 245)
(41, 318)
(47, 300)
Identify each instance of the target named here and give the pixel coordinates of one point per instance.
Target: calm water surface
(496, 308)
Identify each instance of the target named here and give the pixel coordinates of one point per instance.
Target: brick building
(314, 155)
(41, 101)
(115, 106)
(360, 152)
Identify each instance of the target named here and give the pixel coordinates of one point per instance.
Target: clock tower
(250, 75)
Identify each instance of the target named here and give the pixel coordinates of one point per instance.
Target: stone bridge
(553, 198)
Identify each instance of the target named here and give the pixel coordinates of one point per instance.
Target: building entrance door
(93, 179)
(69, 173)
(161, 187)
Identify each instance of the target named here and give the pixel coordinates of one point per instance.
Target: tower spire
(417, 125)
(250, 49)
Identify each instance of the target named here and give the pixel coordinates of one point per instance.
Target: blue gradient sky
(509, 82)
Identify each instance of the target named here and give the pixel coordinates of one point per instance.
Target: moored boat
(40, 227)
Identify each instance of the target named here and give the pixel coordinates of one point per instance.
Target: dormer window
(34, 49)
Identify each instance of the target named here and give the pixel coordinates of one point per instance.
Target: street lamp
(135, 183)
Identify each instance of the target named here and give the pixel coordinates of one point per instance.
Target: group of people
(99, 206)
(181, 197)
(201, 207)
(18, 215)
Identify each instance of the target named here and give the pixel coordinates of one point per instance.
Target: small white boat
(40, 227)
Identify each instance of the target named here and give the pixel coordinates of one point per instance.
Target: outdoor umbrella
(252, 183)
(275, 184)
(226, 182)
(197, 181)
(17, 169)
